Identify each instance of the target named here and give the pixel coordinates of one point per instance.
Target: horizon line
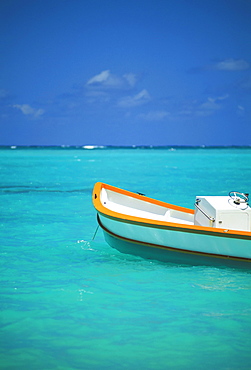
(91, 147)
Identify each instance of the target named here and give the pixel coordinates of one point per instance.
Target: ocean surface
(70, 302)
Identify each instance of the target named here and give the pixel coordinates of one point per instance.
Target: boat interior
(127, 205)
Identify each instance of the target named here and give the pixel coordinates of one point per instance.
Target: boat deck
(164, 214)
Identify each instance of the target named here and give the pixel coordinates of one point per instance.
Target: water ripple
(19, 189)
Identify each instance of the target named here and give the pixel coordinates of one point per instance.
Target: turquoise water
(68, 302)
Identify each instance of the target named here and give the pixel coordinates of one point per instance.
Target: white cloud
(241, 111)
(207, 108)
(210, 106)
(232, 65)
(102, 77)
(108, 80)
(154, 115)
(131, 78)
(142, 97)
(26, 109)
(94, 96)
(203, 109)
(223, 97)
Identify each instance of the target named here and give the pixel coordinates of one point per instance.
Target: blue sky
(115, 72)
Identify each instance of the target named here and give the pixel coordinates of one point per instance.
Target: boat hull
(175, 246)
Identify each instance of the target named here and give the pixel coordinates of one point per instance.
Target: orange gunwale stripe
(171, 248)
(120, 217)
(99, 186)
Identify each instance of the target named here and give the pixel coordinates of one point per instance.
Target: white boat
(217, 231)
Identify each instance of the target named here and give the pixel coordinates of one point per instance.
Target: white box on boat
(222, 212)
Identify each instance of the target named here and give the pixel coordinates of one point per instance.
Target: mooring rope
(95, 232)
